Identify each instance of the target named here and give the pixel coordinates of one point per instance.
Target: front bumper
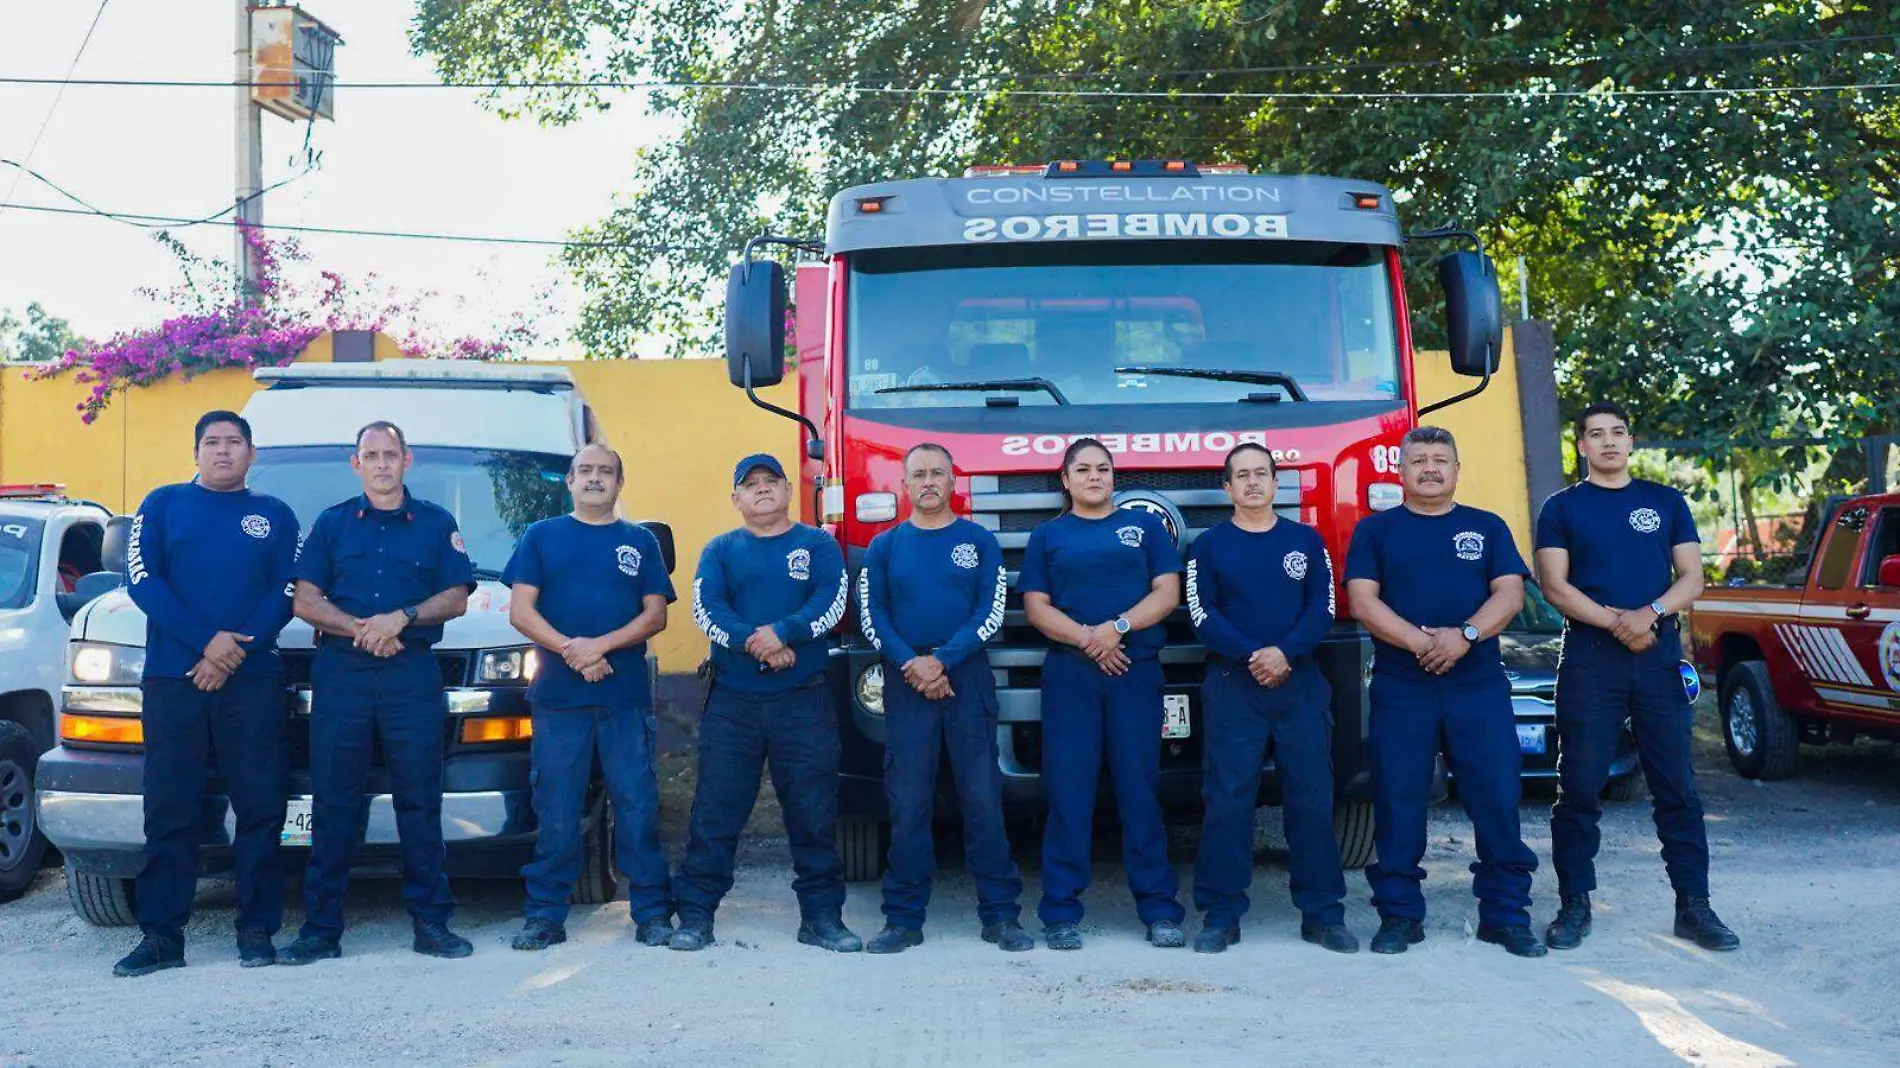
(1537, 740)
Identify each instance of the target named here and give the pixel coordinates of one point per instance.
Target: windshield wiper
(1222, 374)
(996, 385)
(487, 574)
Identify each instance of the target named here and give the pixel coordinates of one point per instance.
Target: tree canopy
(1704, 191)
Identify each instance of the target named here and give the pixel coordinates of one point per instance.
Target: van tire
(1352, 825)
(1626, 788)
(22, 846)
(861, 846)
(102, 900)
(1763, 740)
(600, 880)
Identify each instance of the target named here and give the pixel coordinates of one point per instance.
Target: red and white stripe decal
(1822, 653)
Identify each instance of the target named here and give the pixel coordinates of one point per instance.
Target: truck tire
(22, 846)
(600, 879)
(1626, 788)
(102, 900)
(1352, 825)
(1763, 740)
(861, 846)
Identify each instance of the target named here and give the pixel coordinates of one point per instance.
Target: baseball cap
(756, 460)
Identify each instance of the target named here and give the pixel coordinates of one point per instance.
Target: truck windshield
(1072, 313)
(493, 495)
(19, 557)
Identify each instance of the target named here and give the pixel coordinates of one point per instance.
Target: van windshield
(493, 495)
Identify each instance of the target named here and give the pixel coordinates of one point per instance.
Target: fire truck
(1169, 309)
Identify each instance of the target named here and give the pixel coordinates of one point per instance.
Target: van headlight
(100, 664)
(505, 666)
(871, 689)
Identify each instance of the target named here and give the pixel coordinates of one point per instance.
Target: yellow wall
(1490, 432)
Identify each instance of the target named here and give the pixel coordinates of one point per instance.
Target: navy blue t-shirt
(368, 561)
(793, 581)
(1096, 569)
(1619, 540)
(1248, 590)
(199, 561)
(592, 579)
(939, 589)
(1434, 571)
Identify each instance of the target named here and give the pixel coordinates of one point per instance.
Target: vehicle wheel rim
(1741, 722)
(16, 814)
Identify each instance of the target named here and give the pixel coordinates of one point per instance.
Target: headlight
(871, 689)
(98, 664)
(507, 665)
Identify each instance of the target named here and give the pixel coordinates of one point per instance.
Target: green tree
(39, 338)
(1716, 251)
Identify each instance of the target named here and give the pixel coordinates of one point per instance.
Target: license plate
(297, 822)
(1174, 719)
(1530, 738)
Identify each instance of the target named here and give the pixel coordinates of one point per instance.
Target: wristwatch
(409, 613)
(1122, 626)
(1656, 607)
(1470, 632)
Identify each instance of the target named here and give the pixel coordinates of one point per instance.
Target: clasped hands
(1635, 628)
(223, 653)
(767, 648)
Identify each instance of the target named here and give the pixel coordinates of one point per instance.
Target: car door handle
(1858, 611)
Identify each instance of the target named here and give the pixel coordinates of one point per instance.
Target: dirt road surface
(1806, 871)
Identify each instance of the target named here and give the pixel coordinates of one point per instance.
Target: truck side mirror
(1474, 313)
(755, 323)
(663, 534)
(112, 546)
(1889, 571)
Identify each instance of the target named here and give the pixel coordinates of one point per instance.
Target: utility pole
(1523, 289)
(249, 155)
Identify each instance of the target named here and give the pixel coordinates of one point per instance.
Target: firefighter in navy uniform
(1620, 558)
(377, 577)
(930, 594)
(1435, 581)
(209, 563)
(1260, 593)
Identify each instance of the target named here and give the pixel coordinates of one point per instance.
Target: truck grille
(454, 666)
(297, 662)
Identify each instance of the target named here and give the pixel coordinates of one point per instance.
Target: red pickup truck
(1816, 659)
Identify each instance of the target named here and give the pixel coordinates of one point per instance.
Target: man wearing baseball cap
(768, 595)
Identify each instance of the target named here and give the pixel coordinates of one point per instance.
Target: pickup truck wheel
(861, 846)
(600, 880)
(1764, 742)
(1352, 825)
(1627, 788)
(101, 900)
(22, 846)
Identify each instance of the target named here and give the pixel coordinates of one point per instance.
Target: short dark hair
(206, 421)
(386, 427)
(927, 446)
(619, 466)
(1600, 408)
(1227, 465)
(1430, 435)
(1074, 450)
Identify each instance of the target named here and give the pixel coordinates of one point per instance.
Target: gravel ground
(1800, 868)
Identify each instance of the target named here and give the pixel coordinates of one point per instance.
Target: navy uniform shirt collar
(365, 510)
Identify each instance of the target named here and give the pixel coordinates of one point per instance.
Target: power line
(47, 120)
(129, 220)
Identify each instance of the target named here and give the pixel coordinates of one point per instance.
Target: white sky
(417, 160)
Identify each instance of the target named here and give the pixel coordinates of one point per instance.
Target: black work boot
(1166, 934)
(436, 940)
(255, 950)
(1334, 936)
(654, 932)
(1517, 941)
(1008, 936)
(539, 933)
(154, 953)
(1572, 924)
(829, 932)
(1215, 936)
(1062, 936)
(308, 949)
(692, 936)
(894, 939)
(1698, 923)
(1397, 934)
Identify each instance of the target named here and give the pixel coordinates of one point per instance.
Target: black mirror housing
(1474, 313)
(755, 323)
(112, 547)
(663, 534)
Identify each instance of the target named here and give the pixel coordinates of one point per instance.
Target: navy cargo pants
(1240, 721)
(566, 742)
(240, 729)
(1411, 720)
(917, 731)
(1088, 715)
(356, 701)
(1600, 683)
(796, 733)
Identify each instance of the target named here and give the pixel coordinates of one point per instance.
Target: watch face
(1470, 632)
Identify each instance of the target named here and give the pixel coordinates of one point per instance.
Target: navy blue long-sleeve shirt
(199, 561)
(939, 589)
(1247, 591)
(793, 582)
